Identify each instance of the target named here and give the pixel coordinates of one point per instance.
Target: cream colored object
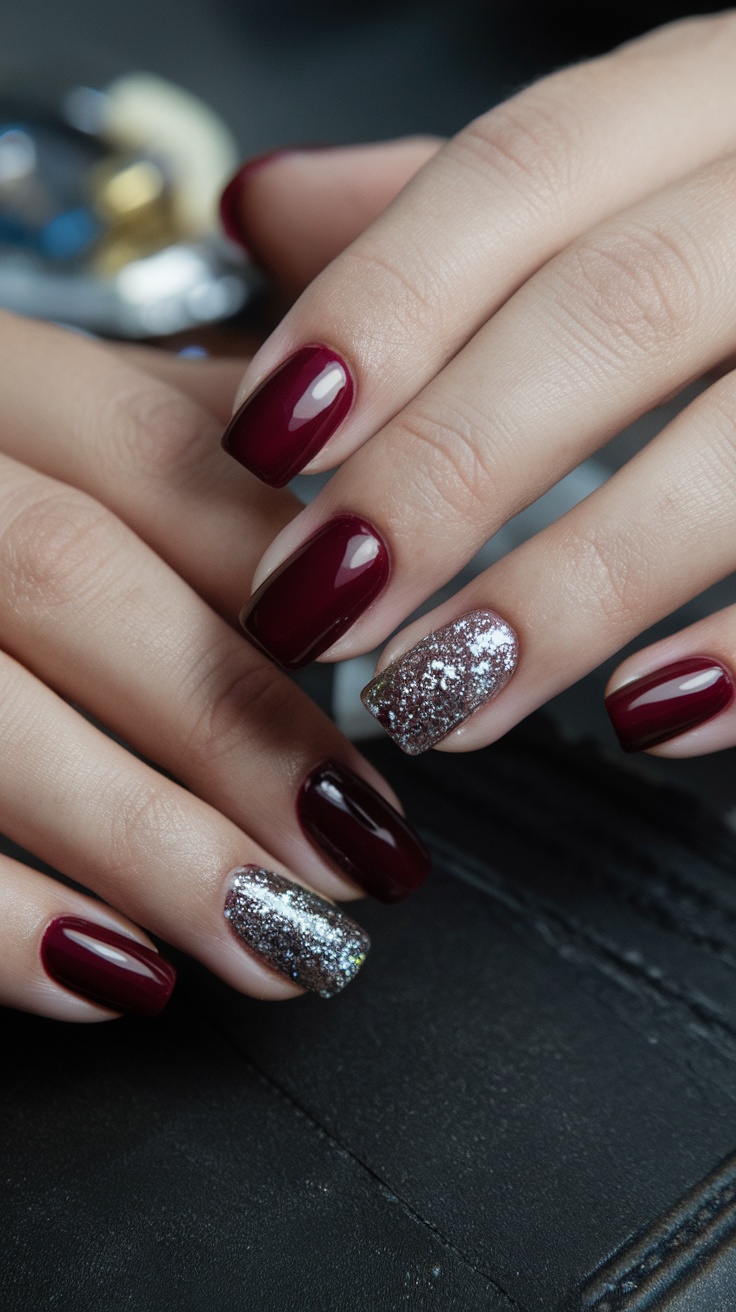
(143, 112)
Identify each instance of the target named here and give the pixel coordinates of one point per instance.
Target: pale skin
(126, 538)
(557, 269)
(560, 267)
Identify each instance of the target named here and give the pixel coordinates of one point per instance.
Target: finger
(614, 324)
(657, 534)
(76, 411)
(97, 615)
(69, 957)
(489, 209)
(676, 698)
(163, 857)
(210, 383)
(295, 210)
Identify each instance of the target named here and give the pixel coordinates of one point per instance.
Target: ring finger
(659, 533)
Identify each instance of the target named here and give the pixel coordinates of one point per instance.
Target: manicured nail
(318, 593)
(436, 685)
(288, 419)
(105, 967)
(668, 702)
(295, 932)
(231, 199)
(361, 832)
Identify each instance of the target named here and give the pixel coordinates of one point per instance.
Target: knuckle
(54, 548)
(611, 572)
(156, 432)
(448, 461)
(151, 812)
(240, 703)
(407, 291)
(531, 142)
(638, 288)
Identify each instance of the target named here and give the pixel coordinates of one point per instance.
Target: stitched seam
(644, 861)
(648, 908)
(547, 921)
(689, 1234)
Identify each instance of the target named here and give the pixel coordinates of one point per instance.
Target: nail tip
(293, 931)
(361, 833)
(291, 414)
(314, 596)
(439, 683)
(136, 980)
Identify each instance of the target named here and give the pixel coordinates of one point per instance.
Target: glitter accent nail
(436, 685)
(295, 932)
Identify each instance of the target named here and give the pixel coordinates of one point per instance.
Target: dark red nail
(315, 596)
(361, 832)
(669, 701)
(291, 415)
(231, 215)
(105, 967)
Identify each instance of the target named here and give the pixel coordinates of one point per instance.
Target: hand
(125, 544)
(560, 267)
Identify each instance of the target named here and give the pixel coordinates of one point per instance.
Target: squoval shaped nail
(435, 686)
(295, 932)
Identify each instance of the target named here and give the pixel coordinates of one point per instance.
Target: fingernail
(436, 685)
(231, 215)
(668, 702)
(288, 419)
(361, 832)
(105, 967)
(295, 932)
(318, 593)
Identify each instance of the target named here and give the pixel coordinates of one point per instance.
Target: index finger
(492, 206)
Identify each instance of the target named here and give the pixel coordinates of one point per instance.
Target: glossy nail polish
(106, 967)
(231, 215)
(288, 419)
(361, 832)
(668, 702)
(295, 932)
(433, 687)
(318, 593)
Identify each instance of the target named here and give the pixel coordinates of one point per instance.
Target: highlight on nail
(294, 931)
(357, 829)
(314, 597)
(106, 967)
(291, 415)
(669, 701)
(435, 686)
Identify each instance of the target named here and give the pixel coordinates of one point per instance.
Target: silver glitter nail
(436, 685)
(294, 931)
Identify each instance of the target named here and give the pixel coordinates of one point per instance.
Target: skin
(556, 270)
(125, 540)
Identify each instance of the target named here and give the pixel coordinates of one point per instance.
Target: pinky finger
(678, 697)
(66, 956)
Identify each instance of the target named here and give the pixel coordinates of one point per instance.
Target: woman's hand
(563, 265)
(125, 545)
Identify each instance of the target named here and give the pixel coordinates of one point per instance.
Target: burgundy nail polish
(288, 419)
(231, 215)
(315, 596)
(361, 832)
(669, 701)
(105, 967)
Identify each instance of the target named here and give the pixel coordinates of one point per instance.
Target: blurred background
(275, 73)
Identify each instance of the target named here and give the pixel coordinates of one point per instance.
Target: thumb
(295, 210)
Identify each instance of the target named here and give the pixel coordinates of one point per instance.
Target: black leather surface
(526, 1101)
